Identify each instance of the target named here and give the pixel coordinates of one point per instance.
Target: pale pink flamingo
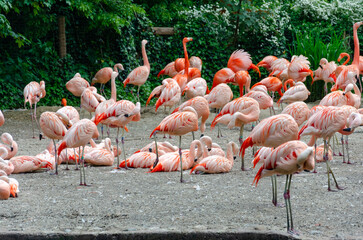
(262, 97)
(272, 132)
(339, 98)
(78, 136)
(77, 85)
(200, 104)
(296, 93)
(10, 145)
(54, 126)
(163, 147)
(104, 75)
(323, 124)
(169, 70)
(224, 75)
(299, 69)
(140, 160)
(196, 62)
(280, 68)
(241, 60)
(25, 164)
(216, 163)
(182, 79)
(179, 123)
(237, 113)
(299, 111)
(99, 156)
(2, 119)
(319, 154)
(196, 87)
(272, 84)
(287, 159)
(4, 187)
(266, 62)
(169, 94)
(5, 165)
(139, 75)
(346, 76)
(90, 99)
(171, 161)
(119, 115)
(325, 72)
(33, 92)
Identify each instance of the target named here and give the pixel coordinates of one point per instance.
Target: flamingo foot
(293, 232)
(314, 171)
(276, 204)
(87, 185)
(118, 168)
(81, 184)
(349, 162)
(344, 161)
(54, 173)
(245, 169)
(331, 190)
(340, 154)
(340, 188)
(67, 168)
(76, 169)
(334, 154)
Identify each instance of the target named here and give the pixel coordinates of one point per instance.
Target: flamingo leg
(67, 168)
(329, 169)
(84, 171)
(315, 157)
(240, 139)
(342, 141)
(56, 158)
(156, 151)
(274, 192)
(290, 224)
(181, 161)
(75, 158)
(326, 88)
(193, 135)
(347, 148)
(32, 115)
(118, 158)
(138, 90)
(101, 131)
(123, 147)
(80, 157)
(36, 120)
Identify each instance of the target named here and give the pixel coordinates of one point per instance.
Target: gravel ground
(137, 201)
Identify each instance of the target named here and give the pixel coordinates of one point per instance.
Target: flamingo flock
(282, 150)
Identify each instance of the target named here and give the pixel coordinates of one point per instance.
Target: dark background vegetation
(100, 33)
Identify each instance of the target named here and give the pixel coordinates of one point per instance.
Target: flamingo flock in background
(282, 151)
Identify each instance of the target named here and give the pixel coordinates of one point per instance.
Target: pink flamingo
(280, 67)
(163, 147)
(287, 159)
(179, 123)
(140, 160)
(139, 75)
(169, 94)
(224, 75)
(104, 75)
(78, 136)
(299, 69)
(4, 187)
(182, 79)
(266, 62)
(200, 104)
(25, 164)
(323, 124)
(325, 72)
(241, 61)
(272, 84)
(2, 119)
(263, 99)
(170, 161)
(5, 166)
(343, 55)
(216, 163)
(237, 113)
(10, 145)
(77, 85)
(33, 92)
(169, 70)
(243, 80)
(196, 87)
(179, 64)
(90, 99)
(299, 111)
(54, 126)
(119, 115)
(296, 93)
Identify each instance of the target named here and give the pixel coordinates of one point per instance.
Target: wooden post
(62, 36)
(165, 31)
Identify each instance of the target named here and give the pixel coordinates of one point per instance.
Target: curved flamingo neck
(356, 45)
(230, 152)
(289, 82)
(342, 55)
(186, 69)
(192, 149)
(113, 88)
(144, 57)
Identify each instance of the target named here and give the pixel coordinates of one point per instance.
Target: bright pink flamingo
(280, 67)
(196, 87)
(2, 119)
(169, 94)
(237, 113)
(54, 126)
(325, 72)
(139, 75)
(194, 71)
(296, 93)
(200, 104)
(266, 62)
(179, 123)
(119, 115)
(182, 79)
(343, 55)
(299, 111)
(224, 75)
(216, 163)
(241, 61)
(33, 92)
(299, 69)
(104, 75)
(171, 161)
(272, 84)
(10, 145)
(323, 124)
(243, 80)
(287, 159)
(357, 63)
(78, 136)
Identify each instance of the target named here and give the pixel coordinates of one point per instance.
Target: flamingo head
(187, 39)
(143, 42)
(64, 102)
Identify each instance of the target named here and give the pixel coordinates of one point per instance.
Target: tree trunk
(62, 36)
(235, 37)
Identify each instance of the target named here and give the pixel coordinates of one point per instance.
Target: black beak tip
(305, 170)
(150, 150)
(209, 149)
(234, 158)
(40, 136)
(196, 159)
(11, 148)
(347, 129)
(126, 115)
(202, 135)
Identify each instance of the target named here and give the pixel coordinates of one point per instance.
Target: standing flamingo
(104, 75)
(241, 61)
(243, 80)
(182, 79)
(299, 69)
(53, 126)
(139, 75)
(169, 70)
(77, 85)
(33, 92)
(78, 136)
(196, 87)
(272, 84)
(280, 68)
(119, 115)
(237, 113)
(2, 119)
(224, 75)
(296, 93)
(263, 99)
(299, 111)
(287, 159)
(179, 123)
(216, 163)
(90, 99)
(200, 104)
(266, 62)
(325, 72)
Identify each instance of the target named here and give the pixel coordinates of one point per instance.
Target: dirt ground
(134, 200)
